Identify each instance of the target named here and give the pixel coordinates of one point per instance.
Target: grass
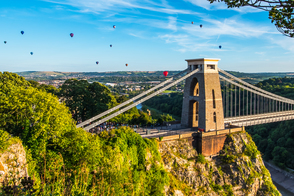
(169, 91)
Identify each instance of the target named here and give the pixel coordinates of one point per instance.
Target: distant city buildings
(133, 84)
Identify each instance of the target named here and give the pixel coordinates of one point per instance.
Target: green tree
(281, 12)
(44, 87)
(171, 103)
(35, 116)
(72, 160)
(34, 83)
(86, 100)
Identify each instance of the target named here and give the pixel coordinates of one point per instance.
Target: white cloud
(260, 53)
(286, 43)
(120, 5)
(206, 4)
(227, 27)
(190, 37)
(172, 23)
(138, 35)
(221, 6)
(189, 43)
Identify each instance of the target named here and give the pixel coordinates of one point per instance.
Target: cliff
(237, 170)
(131, 165)
(13, 164)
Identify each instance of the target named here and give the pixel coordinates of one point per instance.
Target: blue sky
(149, 35)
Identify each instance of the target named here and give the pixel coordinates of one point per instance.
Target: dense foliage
(275, 140)
(64, 160)
(169, 103)
(44, 87)
(85, 99)
(280, 86)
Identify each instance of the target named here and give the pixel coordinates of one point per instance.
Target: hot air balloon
(72, 34)
(165, 73)
(111, 45)
(192, 22)
(31, 53)
(97, 62)
(126, 64)
(201, 26)
(22, 32)
(219, 47)
(114, 26)
(5, 42)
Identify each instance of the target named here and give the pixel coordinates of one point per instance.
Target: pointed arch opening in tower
(194, 114)
(194, 90)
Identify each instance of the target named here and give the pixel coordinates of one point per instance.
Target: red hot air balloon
(165, 73)
(114, 26)
(126, 64)
(192, 22)
(72, 34)
(97, 62)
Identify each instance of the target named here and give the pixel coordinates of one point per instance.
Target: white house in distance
(111, 84)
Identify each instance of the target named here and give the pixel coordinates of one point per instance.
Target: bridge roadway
(171, 134)
(250, 120)
(240, 121)
(156, 133)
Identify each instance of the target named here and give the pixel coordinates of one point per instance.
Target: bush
(216, 187)
(228, 158)
(229, 189)
(201, 159)
(251, 150)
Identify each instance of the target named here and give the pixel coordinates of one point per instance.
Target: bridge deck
(260, 118)
(184, 133)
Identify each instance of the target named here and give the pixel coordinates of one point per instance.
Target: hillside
(131, 165)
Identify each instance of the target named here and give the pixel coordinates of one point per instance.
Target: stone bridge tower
(202, 101)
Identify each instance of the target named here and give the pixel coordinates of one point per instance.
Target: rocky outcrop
(13, 164)
(237, 170)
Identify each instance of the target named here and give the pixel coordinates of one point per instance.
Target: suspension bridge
(215, 103)
(243, 104)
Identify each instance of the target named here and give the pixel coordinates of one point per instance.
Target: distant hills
(87, 74)
(55, 75)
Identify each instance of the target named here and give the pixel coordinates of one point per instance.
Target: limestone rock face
(238, 170)
(13, 164)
